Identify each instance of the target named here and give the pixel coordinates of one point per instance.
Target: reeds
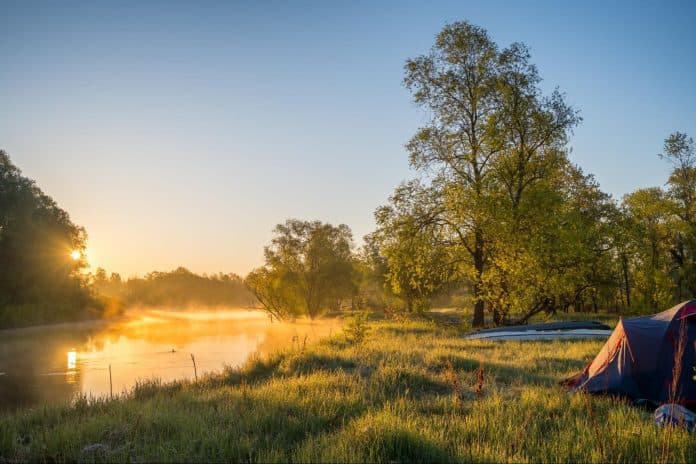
(453, 380)
(195, 370)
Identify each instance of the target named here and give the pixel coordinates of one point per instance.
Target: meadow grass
(407, 392)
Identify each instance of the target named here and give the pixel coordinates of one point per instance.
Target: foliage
(309, 268)
(494, 156)
(680, 150)
(39, 280)
(648, 213)
(179, 288)
(499, 209)
(657, 235)
(416, 264)
(356, 328)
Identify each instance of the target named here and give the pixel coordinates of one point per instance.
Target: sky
(180, 133)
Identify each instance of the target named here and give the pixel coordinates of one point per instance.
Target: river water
(53, 364)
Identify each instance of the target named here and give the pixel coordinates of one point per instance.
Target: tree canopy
(491, 152)
(42, 254)
(178, 289)
(309, 268)
(500, 209)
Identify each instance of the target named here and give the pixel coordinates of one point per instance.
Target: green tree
(649, 213)
(309, 268)
(491, 145)
(680, 151)
(39, 279)
(415, 250)
(370, 269)
(179, 288)
(455, 82)
(558, 252)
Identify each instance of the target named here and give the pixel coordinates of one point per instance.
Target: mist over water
(52, 364)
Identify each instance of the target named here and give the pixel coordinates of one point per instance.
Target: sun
(75, 255)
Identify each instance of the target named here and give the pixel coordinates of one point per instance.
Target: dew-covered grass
(411, 391)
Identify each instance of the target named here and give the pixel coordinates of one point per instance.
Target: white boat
(547, 331)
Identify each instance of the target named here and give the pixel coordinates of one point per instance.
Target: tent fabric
(638, 360)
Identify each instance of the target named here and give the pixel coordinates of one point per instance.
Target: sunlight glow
(72, 360)
(75, 255)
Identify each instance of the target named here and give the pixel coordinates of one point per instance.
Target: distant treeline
(177, 289)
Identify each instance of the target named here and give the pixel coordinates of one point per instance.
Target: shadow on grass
(459, 363)
(399, 445)
(312, 362)
(258, 424)
(509, 375)
(396, 382)
(561, 364)
(376, 436)
(470, 345)
(255, 371)
(401, 331)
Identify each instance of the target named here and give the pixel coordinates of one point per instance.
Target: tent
(638, 361)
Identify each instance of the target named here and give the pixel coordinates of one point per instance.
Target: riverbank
(410, 391)
(52, 364)
(52, 313)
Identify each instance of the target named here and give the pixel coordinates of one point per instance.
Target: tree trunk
(537, 308)
(478, 291)
(478, 313)
(627, 288)
(498, 316)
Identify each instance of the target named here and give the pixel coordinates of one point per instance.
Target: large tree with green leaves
(558, 254)
(680, 151)
(39, 279)
(418, 257)
(656, 234)
(492, 142)
(309, 268)
(648, 211)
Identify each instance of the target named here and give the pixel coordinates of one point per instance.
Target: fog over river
(52, 364)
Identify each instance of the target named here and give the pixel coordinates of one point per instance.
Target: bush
(356, 328)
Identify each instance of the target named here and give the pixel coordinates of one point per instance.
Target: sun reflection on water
(72, 360)
(114, 356)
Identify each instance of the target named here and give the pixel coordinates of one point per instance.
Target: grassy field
(410, 391)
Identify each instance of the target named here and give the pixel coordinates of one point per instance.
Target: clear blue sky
(180, 134)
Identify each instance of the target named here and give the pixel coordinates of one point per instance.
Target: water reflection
(72, 359)
(52, 364)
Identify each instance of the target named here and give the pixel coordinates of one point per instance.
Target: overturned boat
(545, 331)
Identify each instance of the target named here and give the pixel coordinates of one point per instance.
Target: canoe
(546, 331)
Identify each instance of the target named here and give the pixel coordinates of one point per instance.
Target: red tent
(649, 358)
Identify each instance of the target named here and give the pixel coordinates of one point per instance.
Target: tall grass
(410, 391)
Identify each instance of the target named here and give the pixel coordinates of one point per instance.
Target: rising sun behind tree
(75, 255)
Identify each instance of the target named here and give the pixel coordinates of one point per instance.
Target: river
(54, 364)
